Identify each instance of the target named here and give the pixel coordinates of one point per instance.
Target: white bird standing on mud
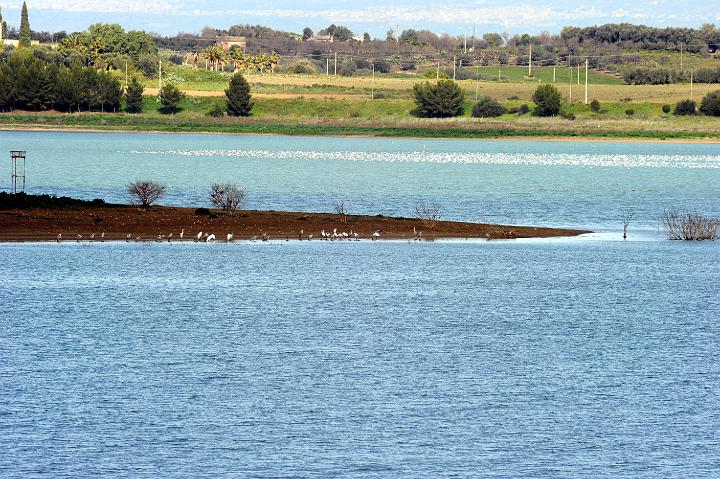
(197, 238)
(59, 237)
(79, 237)
(127, 238)
(230, 237)
(102, 237)
(210, 239)
(182, 233)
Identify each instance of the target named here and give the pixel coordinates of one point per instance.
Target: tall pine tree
(134, 96)
(238, 96)
(25, 39)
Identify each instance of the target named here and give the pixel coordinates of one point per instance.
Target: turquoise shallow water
(579, 184)
(545, 358)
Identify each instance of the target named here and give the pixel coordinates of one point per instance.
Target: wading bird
(230, 237)
(92, 237)
(79, 237)
(102, 237)
(197, 238)
(210, 239)
(169, 236)
(59, 237)
(182, 233)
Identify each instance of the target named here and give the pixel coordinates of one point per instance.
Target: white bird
(265, 237)
(169, 236)
(127, 238)
(310, 237)
(376, 235)
(59, 237)
(356, 236)
(92, 237)
(230, 237)
(182, 233)
(254, 238)
(210, 239)
(197, 238)
(138, 238)
(79, 237)
(159, 238)
(344, 234)
(102, 236)
(322, 234)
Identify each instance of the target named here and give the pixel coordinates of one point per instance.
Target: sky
(373, 16)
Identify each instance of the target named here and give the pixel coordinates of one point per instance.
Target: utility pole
(586, 81)
(498, 73)
(465, 40)
(570, 99)
(553, 74)
(477, 82)
(335, 63)
(681, 56)
(530, 62)
(372, 85)
(327, 67)
(473, 43)
(691, 83)
(578, 75)
(454, 67)
(160, 82)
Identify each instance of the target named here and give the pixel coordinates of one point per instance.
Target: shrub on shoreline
(685, 108)
(710, 104)
(441, 100)
(548, 100)
(487, 107)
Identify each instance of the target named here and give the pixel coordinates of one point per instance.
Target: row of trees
(217, 58)
(28, 83)
(665, 76)
(445, 99)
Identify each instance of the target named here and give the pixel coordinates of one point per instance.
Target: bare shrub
(341, 210)
(145, 192)
(227, 196)
(627, 218)
(429, 213)
(683, 225)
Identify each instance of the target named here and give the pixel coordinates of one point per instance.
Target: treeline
(28, 83)
(645, 38)
(666, 76)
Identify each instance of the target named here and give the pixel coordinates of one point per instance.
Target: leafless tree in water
(145, 192)
(429, 213)
(627, 218)
(683, 225)
(341, 210)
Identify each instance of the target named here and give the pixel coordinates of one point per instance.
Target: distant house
(228, 42)
(322, 38)
(358, 38)
(16, 43)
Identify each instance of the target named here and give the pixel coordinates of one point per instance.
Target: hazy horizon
(168, 17)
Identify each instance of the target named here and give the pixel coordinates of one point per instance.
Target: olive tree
(145, 193)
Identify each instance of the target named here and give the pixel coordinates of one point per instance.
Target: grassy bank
(347, 115)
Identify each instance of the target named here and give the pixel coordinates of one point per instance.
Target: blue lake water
(546, 358)
(577, 184)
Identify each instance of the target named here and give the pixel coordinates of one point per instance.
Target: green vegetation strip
(195, 125)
